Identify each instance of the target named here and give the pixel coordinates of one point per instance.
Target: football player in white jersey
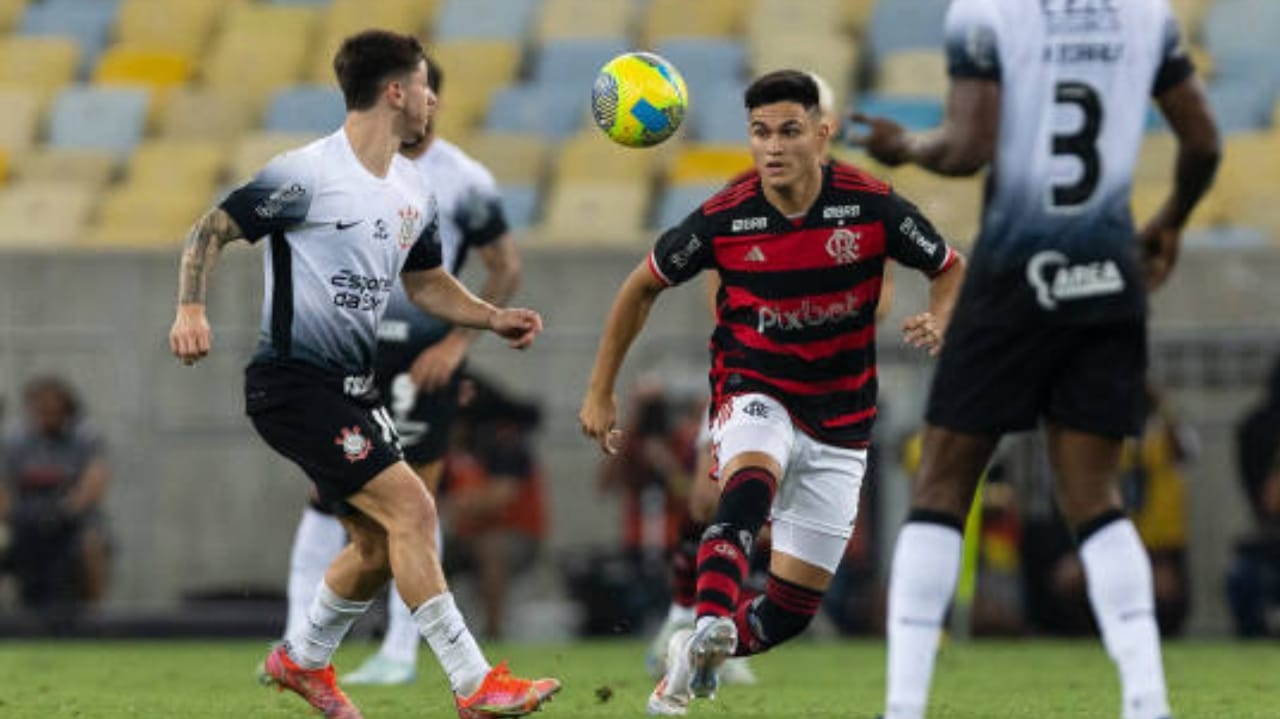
(418, 370)
(347, 215)
(1051, 325)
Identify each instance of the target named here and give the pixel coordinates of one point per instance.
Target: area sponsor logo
(1055, 279)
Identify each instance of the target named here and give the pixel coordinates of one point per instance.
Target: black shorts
(422, 419)
(340, 439)
(993, 379)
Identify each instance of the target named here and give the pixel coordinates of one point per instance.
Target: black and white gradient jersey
(470, 210)
(340, 236)
(1057, 238)
(795, 314)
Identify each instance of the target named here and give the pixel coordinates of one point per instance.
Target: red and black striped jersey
(795, 315)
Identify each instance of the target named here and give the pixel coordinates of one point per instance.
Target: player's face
(786, 142)
(418, 104)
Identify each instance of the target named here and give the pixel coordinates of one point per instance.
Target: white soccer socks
(926, 566)
(317, 540)
(442, 626)
(328, 620)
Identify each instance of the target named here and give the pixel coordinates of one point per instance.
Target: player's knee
(372, 553)
(414, 517)
(747, 497)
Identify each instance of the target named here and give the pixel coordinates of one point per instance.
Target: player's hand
(923, 331)
(597, 416)
(190, 337)
(518, 326)
(1158, 249)
(437, 363)
(884, 139)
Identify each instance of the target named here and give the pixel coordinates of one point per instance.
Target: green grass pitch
(982, 680)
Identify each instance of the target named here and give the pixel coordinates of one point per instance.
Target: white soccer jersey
(340, 236)
(1075, 79)
(470, 208)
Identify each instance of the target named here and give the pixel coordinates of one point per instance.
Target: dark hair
(782, 86)
(57, 387)
(368, 59)
(435, 75)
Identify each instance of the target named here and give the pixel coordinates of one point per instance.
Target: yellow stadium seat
(953, 205)
(595, 213)
(1248, 178)
(834, 57)
(135, 65)
(857, 15)
(707, 164)
(513, 159)
(270, 21)
(4, 166)
(44, 64)
(571, 19)
(182, 26)
(20, 121)
(920, 73)
(256, 149)
(144, 216)
(473, 70)
(1156, 159)
(10, 12)
(789, 16)
(205, 114)
(253, 58)
(1146, 198)
(1275, 117)
(668, 19)
(192, 167)
(92, 169)
(347, 17)
(43, 213)
(588, 156)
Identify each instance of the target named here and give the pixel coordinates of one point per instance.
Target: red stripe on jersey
(811, 351)
(845, 420)
(653, 267)
(805, 249)
(808, 389)
(730, 196)
(845, 174)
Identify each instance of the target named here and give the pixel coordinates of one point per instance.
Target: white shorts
(817, 501)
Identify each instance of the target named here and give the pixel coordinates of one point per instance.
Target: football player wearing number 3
(1051, 323)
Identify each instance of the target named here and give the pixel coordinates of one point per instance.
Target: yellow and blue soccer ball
(639, 99)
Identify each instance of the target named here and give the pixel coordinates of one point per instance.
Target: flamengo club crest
(408, 218)
(354, 445)
(843, 246)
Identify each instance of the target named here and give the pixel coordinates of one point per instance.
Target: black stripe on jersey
(790, 285)
(1172, 73)
(794, 369)
(281, 295)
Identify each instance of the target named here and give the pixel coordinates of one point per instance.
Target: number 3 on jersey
(1081, 144)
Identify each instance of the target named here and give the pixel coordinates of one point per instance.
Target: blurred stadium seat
(552, 110)
(915, 113)
(704, 165)
(904, 25)
(92, 169)
(252, 58)
(194, 166)
(677, 201)
(718, 116)
(834, 57)
(20, 121)
(520, 204)
(10, 12)
(204, 114)
(143, 215)
(345, 17)
(182, 26)
(473, 71)
(513, 159)
(953, 205)
(589, 156)
(44, 64)
(575, 19)
(922, 73)
(255, 149)
(667, 19)
(315, 109)
(706, 63)
(492, 19)
(107, 118)
(43, 213)
(89, 22)
(132, 65)
(594, 213)
(575, 62)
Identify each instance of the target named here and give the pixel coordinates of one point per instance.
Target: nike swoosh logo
(454, 639)
(346, 225)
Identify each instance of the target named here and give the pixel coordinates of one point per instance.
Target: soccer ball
(639, 99)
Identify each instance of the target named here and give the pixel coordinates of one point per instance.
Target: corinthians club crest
(355, 446)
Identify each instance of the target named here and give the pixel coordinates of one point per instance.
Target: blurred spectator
(1253, 586)
(55, 477)
(493, 498)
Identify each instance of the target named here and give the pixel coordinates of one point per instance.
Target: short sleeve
(682, 251)
(1175, 62)
(277, 198)
(426, 253)
(970, 39)
(912, 240)
(479, 213)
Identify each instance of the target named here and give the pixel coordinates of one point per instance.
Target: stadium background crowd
(124, 119)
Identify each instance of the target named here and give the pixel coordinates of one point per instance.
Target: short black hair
(782, 86)
(435, 75)
(368, 59)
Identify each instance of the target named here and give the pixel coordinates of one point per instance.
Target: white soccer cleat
(709, 646)
(671, 696)
(378, 670)
(655, 659)
(737, 670)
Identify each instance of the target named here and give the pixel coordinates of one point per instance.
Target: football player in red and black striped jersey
(800, 247)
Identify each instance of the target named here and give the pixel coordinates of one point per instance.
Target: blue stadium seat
(306, 108)
(88, 21)
(492, 19)
(706, 63)
(678, 201)
(299, 2)
(101, 118)
(554, 110)
(1241, 24)
(717, 115)
(575, 62)
(1240, 105)
(520, 204)
(905, 24)
(915, 113)
(1224, 238)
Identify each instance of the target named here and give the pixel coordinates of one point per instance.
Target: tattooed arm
(190, 337)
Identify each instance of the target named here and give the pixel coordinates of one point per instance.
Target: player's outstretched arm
(435, 291)
(630, 310)
(1186, 107)
(190, 337)
(927, 329)
(964, 143)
